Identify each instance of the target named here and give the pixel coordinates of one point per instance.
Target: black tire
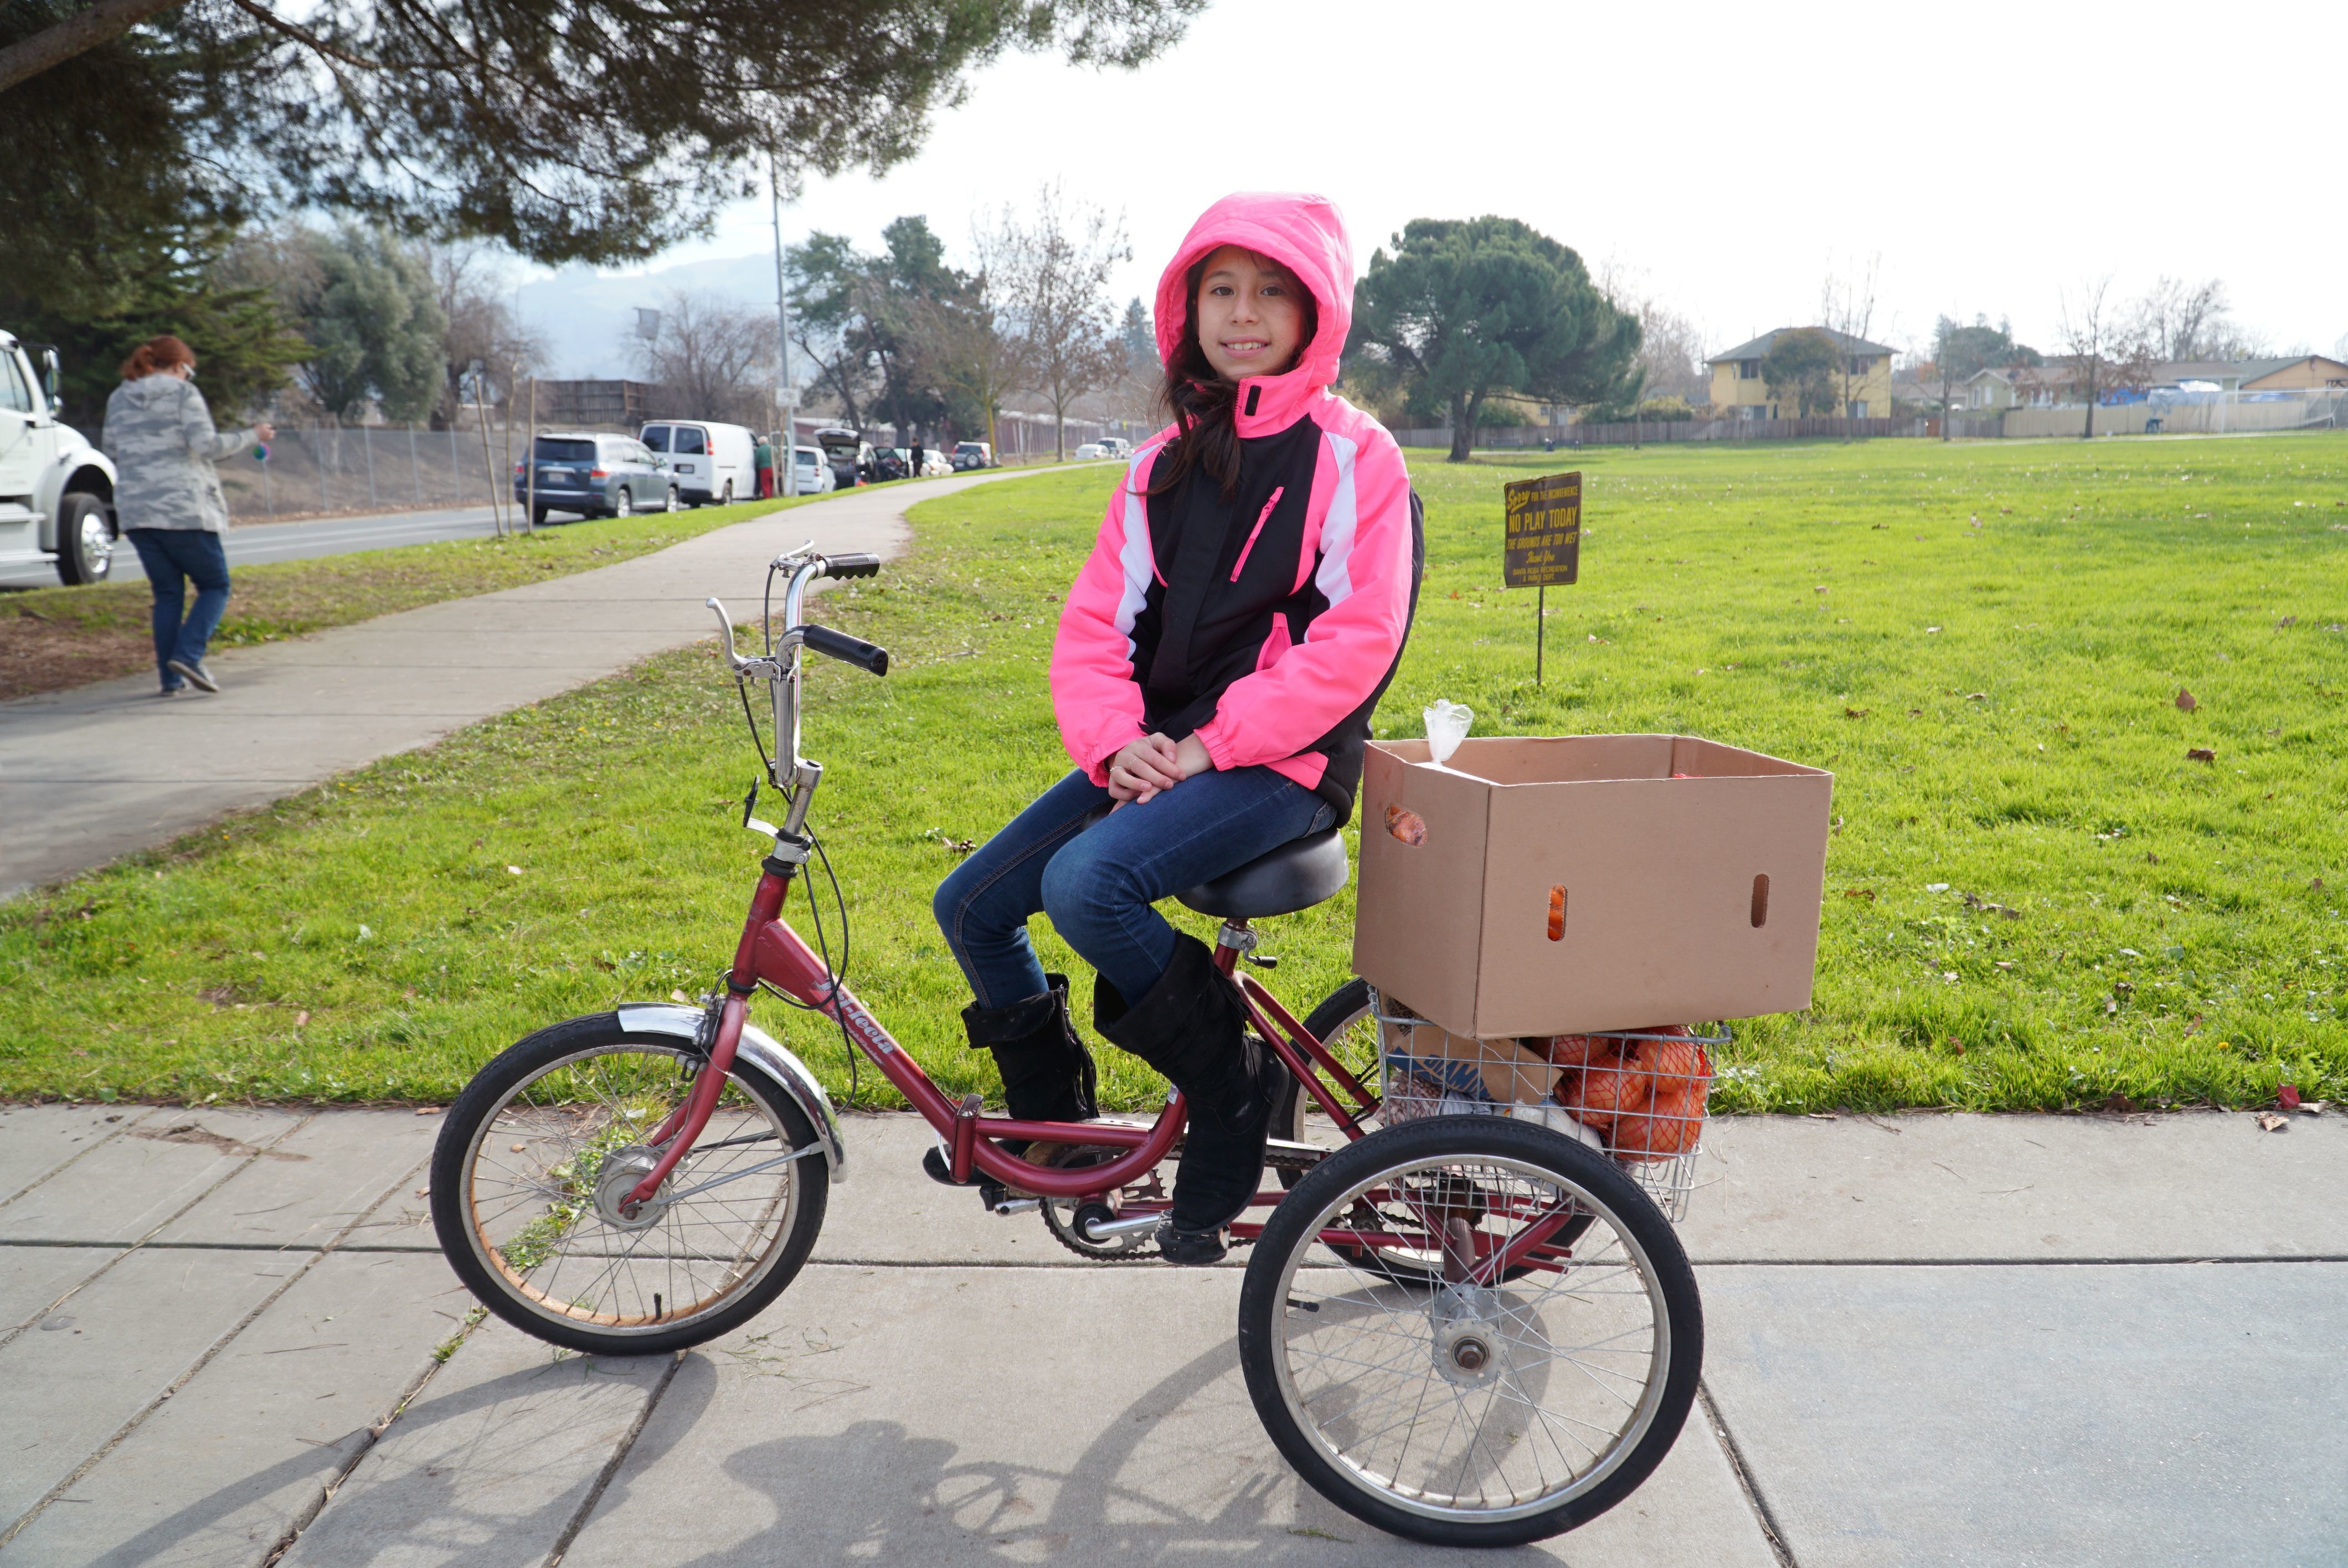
(1341, 1012)
(85, 540)
(1277, 1309)
(494, 1281)
(538, 517)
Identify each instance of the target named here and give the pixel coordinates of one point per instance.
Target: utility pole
(787, 396)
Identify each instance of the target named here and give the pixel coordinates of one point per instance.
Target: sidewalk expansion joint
(611, 1470)
(65, 1163)
(1743, 1470)
(127, 1248)
(217, 1346)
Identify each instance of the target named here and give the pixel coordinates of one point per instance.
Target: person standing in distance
(167, 496)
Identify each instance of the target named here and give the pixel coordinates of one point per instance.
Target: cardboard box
(1554, 886)
(1498, 1070)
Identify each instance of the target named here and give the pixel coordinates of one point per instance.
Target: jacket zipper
(1261, 517)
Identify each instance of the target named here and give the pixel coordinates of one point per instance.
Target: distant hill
(587, 317)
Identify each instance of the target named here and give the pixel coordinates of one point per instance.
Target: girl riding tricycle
(1467, 1329)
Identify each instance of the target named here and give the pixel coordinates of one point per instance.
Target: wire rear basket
(1636, 1095)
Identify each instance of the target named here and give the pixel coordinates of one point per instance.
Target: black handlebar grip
(860, 564)
(846, 648)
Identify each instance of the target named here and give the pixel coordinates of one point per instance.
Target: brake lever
(725, 626)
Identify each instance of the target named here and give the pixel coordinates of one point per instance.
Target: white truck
(56, 490)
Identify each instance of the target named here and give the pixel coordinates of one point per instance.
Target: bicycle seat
(1297, 875)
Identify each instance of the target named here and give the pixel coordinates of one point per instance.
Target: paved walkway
(97, 772)
(1933, 1339)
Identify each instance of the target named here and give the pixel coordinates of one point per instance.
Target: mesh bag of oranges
(1638, 1094)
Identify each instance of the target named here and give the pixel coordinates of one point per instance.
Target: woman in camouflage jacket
(168, 494)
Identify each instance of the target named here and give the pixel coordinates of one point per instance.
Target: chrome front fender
(761, 1050)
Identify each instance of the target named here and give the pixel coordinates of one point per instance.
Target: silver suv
(595, 475)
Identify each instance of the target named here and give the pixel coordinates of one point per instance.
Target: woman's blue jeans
(1097, 871)
(173, 559)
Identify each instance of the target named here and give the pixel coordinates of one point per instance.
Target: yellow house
(1740, 391)
(2307, 373)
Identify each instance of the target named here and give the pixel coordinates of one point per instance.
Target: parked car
(969, 454)
(594, 476)
(1090, 452)
(848, 454)
(713, 462)
(934, 462)
(1115, 447)
(56, 490)
(887, 463)
(815, 476)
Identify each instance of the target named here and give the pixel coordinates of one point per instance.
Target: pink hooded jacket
(1267, 628)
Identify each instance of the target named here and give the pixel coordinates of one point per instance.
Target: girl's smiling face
(1251, 314)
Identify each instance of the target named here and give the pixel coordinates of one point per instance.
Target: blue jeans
(173, 559)
(1097, 873)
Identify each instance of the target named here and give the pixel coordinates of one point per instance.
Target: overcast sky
(1726, 157)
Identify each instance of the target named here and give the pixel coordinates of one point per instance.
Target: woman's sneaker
(195, 673)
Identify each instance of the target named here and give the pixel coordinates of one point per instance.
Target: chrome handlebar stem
(779, 666)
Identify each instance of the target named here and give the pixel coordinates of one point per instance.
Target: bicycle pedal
(1004, 1205)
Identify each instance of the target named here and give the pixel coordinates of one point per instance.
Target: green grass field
(1984, 642)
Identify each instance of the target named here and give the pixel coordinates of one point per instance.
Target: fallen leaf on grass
(300, 1020)
(2186, 700)
(1866, 893)
(1976, 696)
(2287, 1096)
(2286, 621)
(675, 996)
(2194, 1027)
(2200, 754)
(1853, 713)
(2271, 1123)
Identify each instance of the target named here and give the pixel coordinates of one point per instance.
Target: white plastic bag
(1446, 726)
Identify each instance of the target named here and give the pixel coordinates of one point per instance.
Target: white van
(711, 463)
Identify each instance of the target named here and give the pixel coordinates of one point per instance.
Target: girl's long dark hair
(1201, 402)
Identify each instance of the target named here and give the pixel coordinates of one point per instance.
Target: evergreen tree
(1466, 309)
(371, 312)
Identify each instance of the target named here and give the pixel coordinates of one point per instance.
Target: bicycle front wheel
(1456, 1409)
(534, 1166)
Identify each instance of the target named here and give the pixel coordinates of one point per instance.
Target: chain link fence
(314, 470)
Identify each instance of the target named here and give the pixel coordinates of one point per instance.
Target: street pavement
(94, 773)
(256, 544)
(226, 1338)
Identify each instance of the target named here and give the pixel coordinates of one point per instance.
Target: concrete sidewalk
(97, 772)
(1932, 1339)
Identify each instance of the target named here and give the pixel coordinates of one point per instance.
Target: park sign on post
(1542, 544)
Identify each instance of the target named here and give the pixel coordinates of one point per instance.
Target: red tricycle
(1465, 1329)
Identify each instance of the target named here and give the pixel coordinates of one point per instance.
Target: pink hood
(1303, 233)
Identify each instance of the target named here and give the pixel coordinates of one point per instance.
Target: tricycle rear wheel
(1450, 1410)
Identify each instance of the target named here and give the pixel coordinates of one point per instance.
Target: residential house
(1739, 391)
(2019, 387)
(2303, 373)
(2298, 372)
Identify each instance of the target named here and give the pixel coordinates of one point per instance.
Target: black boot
(1192, 1028)
(1047, 1073)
